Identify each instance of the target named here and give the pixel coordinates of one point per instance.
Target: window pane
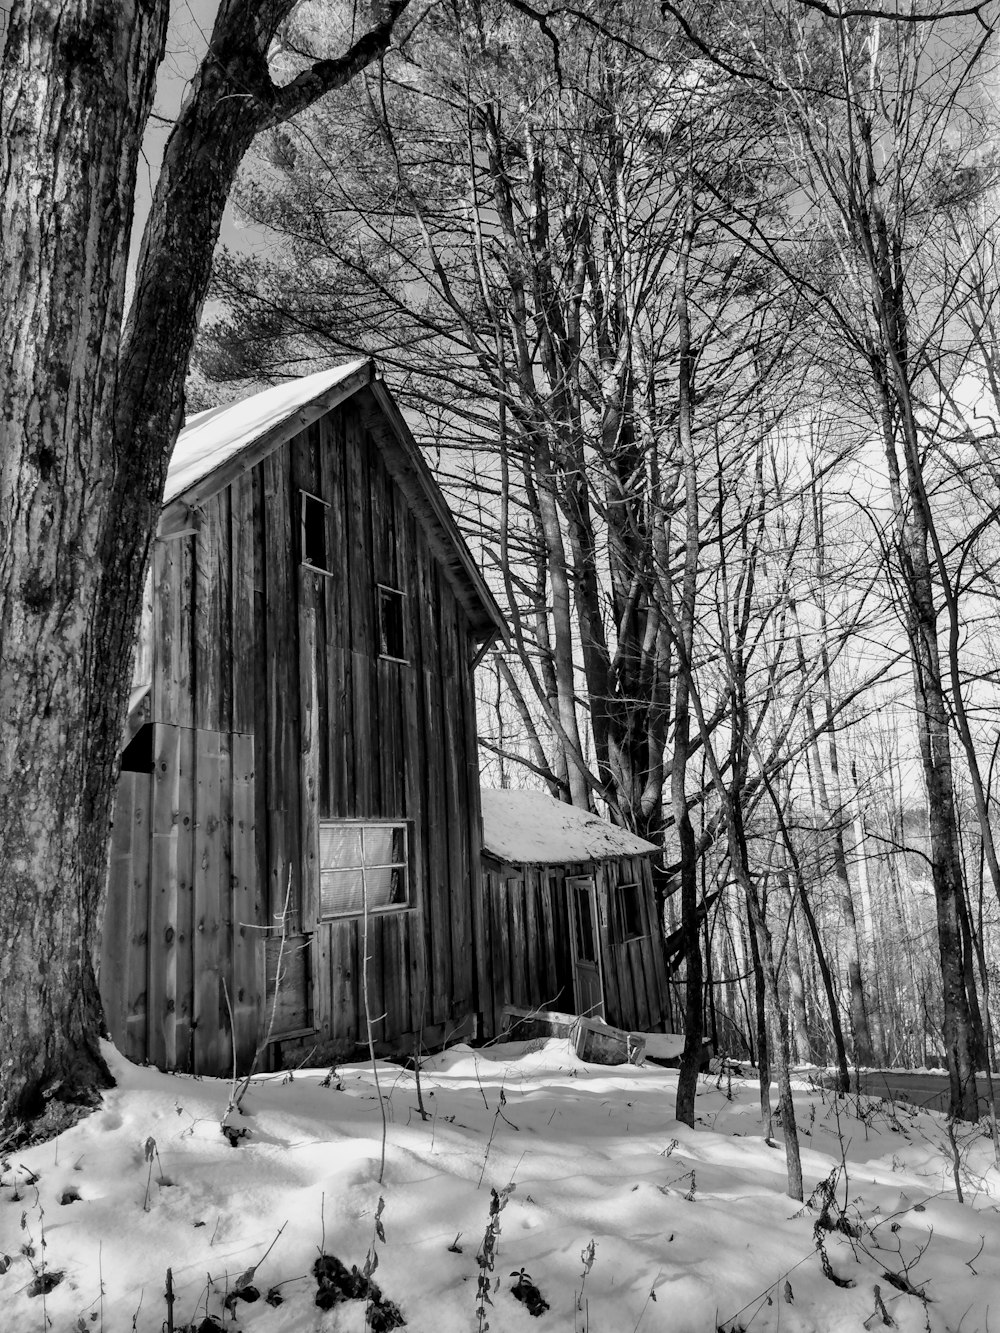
(386, 886)
(398, 846)
(378, 844)
(340, 891)
(339, 846)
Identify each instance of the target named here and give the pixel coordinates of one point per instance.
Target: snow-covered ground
(692, 1229)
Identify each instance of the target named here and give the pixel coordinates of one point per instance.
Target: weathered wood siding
(183, 914)
(274, 710)
(526, 943)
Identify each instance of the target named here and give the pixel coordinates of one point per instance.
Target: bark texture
(77, 81)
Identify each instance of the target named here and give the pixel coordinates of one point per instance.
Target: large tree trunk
(77, 86)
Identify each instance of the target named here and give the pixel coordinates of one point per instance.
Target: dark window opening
(586, 939)
(629, 911)
(314, 532)
(137, 757)
(392, 639)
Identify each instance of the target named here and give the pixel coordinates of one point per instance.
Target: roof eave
(228, 471)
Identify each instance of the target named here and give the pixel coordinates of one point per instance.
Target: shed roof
(527, 826)
(217, 446)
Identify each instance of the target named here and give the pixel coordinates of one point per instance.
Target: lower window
(363, 868)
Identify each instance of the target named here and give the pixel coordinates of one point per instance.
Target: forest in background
(695, 311)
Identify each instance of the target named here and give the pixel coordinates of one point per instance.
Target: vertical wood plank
(537, 989)
(438, 942)
(136, 963)
(210, 884)
(282, 693)
(210, 638)
(337, 609)
(160, 988)
(180, 980)
(310, 595)
(119, 906)
(245, 648)
(173, 668)
(344, 953)
(246, 907)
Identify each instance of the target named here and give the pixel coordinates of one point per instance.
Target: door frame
(575, 883)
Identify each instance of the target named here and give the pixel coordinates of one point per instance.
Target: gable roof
(211, 439)
(531, 827)
(219, 445)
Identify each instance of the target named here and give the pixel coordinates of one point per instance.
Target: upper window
(313, 544)
(391, 635)
(362, 868)
(629, 911)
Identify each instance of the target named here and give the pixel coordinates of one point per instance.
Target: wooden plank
(390, 745)
(211, 876)
(499, 971)
(119, 906)
(310, 741)
(244, 646)
(439, 945)
(548, 969)
(210, 633)
(180, 976)
(370, 969)
(344, 1012)
(414, 773)
(262, 832)
(172, 676)
(359, 539)
(337, 611)
(136, 963)
(604, 879)
(287, 986)
(520, 984)
(282, 704)
(160, 988)
(505, 983)
(656, 944)
(537, 988)
(246, 993)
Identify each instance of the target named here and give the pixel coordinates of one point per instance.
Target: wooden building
(570, 922)
(300, 785)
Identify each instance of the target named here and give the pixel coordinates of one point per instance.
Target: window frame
(381, 589)
(305, 499)
(406, 864)
(626, 935)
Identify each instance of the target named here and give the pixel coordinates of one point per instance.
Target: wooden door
(585, 946)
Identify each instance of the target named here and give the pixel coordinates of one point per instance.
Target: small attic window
(314, 552)
(391, 635)
(629, 911)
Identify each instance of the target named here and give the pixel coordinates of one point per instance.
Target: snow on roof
(531, 826)
(211, 438)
